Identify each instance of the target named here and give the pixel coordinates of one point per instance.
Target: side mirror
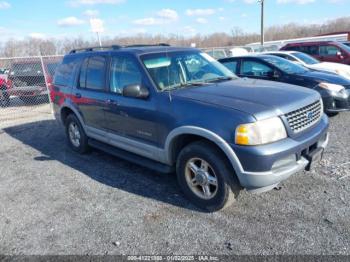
(274, 74)
(136, 91)
(340, 55)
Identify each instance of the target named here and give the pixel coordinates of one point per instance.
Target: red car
(326, 51)
(5, 84)
(26, 80)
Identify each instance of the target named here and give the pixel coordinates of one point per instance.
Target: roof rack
(113, 47)
(94, 48)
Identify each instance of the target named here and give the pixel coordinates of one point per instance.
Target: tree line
(236, 37)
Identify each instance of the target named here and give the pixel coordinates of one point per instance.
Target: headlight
(345, 73)
(261, 132)
(331, 87)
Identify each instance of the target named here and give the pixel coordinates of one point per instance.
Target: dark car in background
(178, 109)
(325, 51)
(27, 79)
(334, 89)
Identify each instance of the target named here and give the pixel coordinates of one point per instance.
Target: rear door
(91, 94)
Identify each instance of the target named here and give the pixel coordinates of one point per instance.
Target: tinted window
(82, 77)
(64, 75)
(292, 48)
(313, 50)
(51, 68)
(95, 73)
(252, 68)
(329, 50)
(232, 65)
(124, 72)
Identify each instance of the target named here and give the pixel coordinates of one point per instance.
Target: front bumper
(337, 103)
(28, 91)
(264, 167)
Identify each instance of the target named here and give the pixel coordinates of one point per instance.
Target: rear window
(64, 75)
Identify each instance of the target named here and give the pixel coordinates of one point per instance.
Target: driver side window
(124, 72)
(252, 68)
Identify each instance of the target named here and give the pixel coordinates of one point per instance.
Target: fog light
(285, 162)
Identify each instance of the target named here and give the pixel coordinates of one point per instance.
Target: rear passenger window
(95, 73)
(232, 66)
(124, 72)
(64, 75)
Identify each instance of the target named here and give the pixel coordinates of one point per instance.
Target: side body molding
(193, 130)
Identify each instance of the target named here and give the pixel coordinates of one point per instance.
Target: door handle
(78, 95)
(112, 102)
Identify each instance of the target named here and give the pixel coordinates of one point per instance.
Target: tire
(76, 137)
(4, 98)
(215, 164)
(332, 114)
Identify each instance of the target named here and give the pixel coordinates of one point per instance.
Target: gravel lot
(54, 201)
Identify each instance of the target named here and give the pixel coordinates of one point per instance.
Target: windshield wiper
(189, 84)
(219, 79)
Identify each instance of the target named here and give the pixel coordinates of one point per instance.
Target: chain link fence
(24, 88)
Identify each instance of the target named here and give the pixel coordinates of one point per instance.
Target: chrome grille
(305, 117)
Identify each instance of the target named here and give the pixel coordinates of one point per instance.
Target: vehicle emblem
(310, 115)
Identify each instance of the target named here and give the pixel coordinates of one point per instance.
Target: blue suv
(177, 109)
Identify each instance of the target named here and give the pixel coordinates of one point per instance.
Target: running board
(130, 157)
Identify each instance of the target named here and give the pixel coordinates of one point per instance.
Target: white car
(312, 63)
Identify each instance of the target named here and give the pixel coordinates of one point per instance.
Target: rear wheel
(206, 178)
(77, 139)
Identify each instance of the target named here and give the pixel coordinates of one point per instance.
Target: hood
(340, 69)
(262, 99)
(326, 77)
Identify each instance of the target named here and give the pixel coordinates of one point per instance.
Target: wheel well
(65, 112)
(182, 141)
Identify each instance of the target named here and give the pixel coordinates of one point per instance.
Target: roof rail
(90, 49)
(113, 47)
(147, 45)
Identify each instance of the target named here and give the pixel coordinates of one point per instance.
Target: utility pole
(262, 37)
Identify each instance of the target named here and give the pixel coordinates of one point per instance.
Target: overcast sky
(43, 18)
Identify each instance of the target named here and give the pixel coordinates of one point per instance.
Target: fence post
(46, 82)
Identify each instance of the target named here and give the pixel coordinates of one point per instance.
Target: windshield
(344, 46)
(309, 60)
(27, 69)
(176, 70)
(285, 66)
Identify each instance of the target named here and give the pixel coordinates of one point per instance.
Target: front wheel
(205, 177)
(77, 139)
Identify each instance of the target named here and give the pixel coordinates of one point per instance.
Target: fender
(66, 104)
(213, 137)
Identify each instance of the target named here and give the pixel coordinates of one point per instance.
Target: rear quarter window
(231, 65)
(64, 75)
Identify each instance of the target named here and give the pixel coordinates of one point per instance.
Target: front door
(128, 117)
